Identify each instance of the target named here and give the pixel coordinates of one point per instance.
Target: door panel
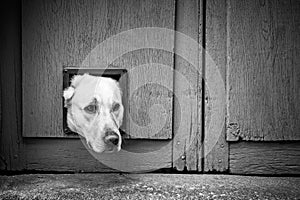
(63, 33)
(263, 70)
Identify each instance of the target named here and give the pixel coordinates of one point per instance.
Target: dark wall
(10, 84)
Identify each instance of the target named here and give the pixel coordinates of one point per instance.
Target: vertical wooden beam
(186, 149)
(216, 156)
(10, 84)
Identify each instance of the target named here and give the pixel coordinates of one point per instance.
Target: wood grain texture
(187, 112)
(149, 102)
(216, 156)
(150, 93)
(263, 72)
(10, 86)
(53, 154)
(62, 33)
(264, 158)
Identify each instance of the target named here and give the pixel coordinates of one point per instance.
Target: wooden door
(256, 44)
(57, 35)
(61, 33)
(66, 33)
(253, 44)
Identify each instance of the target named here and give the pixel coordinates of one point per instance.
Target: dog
(95, 111)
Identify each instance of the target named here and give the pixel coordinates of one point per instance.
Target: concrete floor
(147, 186)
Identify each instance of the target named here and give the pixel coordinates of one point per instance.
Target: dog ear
(76, 79)
(68, 94)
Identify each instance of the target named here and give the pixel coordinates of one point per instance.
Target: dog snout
(112, 137)
(114, 141)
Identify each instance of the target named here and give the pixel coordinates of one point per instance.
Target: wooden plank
(150, 103)
(150, 93)
(62, 33)
(10, 86)
(53, 154)
(263, 71)
(264, 158)
(187, 114)
(215, 153)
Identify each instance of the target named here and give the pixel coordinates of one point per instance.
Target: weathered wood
(150, 103)
(216, 152)
(187, 113)
(10, 86)
(53, 154)
(62, 33)
(150, 93)
(263, 72)
(264, 158)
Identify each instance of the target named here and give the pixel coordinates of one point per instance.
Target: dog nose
(114, 141)
(112, 137)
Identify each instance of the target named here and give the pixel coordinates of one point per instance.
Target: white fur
(103, 92)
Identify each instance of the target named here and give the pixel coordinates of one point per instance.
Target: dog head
(95, 111)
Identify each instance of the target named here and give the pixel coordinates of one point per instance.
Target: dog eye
(116, 107)
(91, 108)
